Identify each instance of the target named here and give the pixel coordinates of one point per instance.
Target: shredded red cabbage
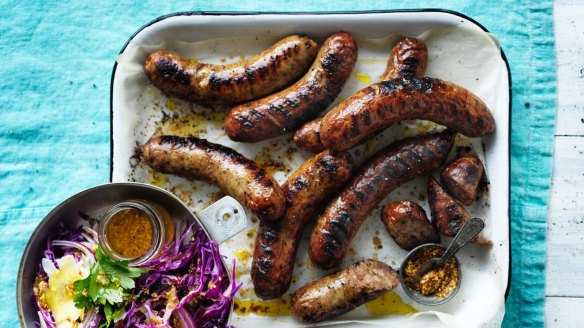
(188, 280)
(185, 287)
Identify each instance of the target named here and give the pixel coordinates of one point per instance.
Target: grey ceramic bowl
(419, 297)
(94, 202)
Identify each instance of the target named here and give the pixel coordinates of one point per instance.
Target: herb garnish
(108, 285)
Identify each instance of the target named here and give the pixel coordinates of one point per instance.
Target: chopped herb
(108, 285)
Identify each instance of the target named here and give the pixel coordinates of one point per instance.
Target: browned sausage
(252, 78)
(397, 163)
(447, 215)
(408, 58)
(383, 104)
(286, 110)
(462, 177)
(343, 291)
(408, 225)
(235, 175)
(277, 242)
(307, 136)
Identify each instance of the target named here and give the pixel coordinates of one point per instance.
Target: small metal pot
(419, 297)
(220, 221)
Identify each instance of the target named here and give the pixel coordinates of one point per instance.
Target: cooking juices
(136, 231)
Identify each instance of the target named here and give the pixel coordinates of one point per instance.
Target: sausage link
(462, 177)
(234, 174)
(286, 110)
(398, 163)
(252, 78)
(383, 104)
(447, 215)
(408, 224)
(408, 58)
(307, 136)
(277, 241)
(343, 291)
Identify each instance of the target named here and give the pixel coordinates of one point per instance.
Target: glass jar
(136, 231)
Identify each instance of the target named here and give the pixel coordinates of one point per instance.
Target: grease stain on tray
(158, 179)
(242, 256)
(389, 303)
(277, 307)
(192, 123)
(363, 78)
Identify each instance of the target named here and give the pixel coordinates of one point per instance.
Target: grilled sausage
(447, 215)
(286, 110)
(277, 242)
(307, 136)
(383, 104)
(408, 59)
(343, 291)
(462, 177)
(408, 225)
(398, 163)
(235, 175)
(252, 78)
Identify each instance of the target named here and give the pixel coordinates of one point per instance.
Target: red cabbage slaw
(185, 287)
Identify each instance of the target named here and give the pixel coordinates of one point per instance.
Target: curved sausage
(252, 78)
(462, 177)
(286, 110)
(277, 242)
(447, 215)
(234, 174)
(408, 224)
(408, 58)
(383, 104)
(307, 136)
(397, 163)
(343, 291)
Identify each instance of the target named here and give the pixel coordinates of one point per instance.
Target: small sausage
(286, 110)
(252, 78)
(408, 59)
(277, 241)
(383, 104)
(343, 291)
(447, 215)
(408, 225)
(307, 136)
(234, 174)
(462, 177)
(397, 163)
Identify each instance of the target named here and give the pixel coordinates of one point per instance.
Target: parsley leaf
(108, 285)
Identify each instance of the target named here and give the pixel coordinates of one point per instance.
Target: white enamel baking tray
(460, 50)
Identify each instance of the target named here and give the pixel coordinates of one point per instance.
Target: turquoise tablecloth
(54, 119)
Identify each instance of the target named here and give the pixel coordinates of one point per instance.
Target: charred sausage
(398, 163)
(307, 136)
(462, 177)
(234, 174)
(277, 241)
(343, 291)
(408, 59)
(447, 215)
(286, 110)
(383, 104)
(408, 224)
(252, 78)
